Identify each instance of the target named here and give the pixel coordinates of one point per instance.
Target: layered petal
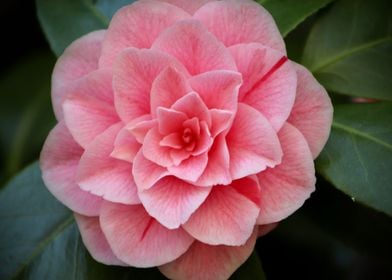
(193, 107)
(59, 162)
(312, 111)
(167, 88)
(274, 92)
(196, 48)
(286, 187)
(172, 201)
(89, 108)
(105, 176)
(95, 241)
(133, 76)
(125, 146)
(218, 89)
(253, 143)
(190, 169)
(189, 6)
(138, 25)
(206, 262)
(235, 22)
(227, 216)
(155, 152)
(146, 173)
(79, 59)
(138, 239)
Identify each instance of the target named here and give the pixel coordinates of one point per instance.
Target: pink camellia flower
(183, 129)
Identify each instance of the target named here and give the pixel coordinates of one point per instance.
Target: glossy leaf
(65, 21)
(349, 48)
(289, 13)
(358, 156)
(40, 240)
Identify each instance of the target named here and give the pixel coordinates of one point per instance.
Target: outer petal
(218, 89)
(312, 111)
(234, 22)
(133, 75)
(206, 262)
(172, 201)
(167, 88)
(146, 173)
(59, 162)
(227, 216)
(138, 25)
(189, 6)
(286, 187)
(95, 241)
(137, 239)
(253, 143)
(197, 49)
(104, 175)
(89, 108)
(79, 59)
(274, 92)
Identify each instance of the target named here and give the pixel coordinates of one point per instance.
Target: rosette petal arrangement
(183, 129)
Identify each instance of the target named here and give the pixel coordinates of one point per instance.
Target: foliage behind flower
(183, 130)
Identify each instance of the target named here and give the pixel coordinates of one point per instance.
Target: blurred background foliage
(347, 44)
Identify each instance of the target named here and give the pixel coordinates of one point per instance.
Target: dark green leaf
(251, 269)
(289, 13)
(358, 156)
(349, 48)
(109, 7)
(40, 240)
(65, 21)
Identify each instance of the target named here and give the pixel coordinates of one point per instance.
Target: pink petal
(79, 59)
(138, 239)
(190, 169)
(218, 89)
(140, 126)
(217, 171)
(312, 111)
(133, 75)
(137, 25)
(173, 140)
(221, 121)
(265, 229)
(234, 22)
(167, 88)
(251, 63)
(125, 146)
(274, 93)
(205, 140)
(193, 106)
(146, 173)
(197, 49)
(186, 5)
(226, 217)
(205, 262)
(286, 187)
(155, 152)
(59, 162)
(88, 108)
(105, 176)
(172, 201)
(253, 143)
(95, 241)
(170, 120)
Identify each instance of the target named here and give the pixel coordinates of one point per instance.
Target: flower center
(187, 135)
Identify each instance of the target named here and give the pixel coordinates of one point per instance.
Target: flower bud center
(187, 135)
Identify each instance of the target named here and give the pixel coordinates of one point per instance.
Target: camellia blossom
(183, 129)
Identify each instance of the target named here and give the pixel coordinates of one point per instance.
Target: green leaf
(358, 156)
(40, 240)
(251, 269)
(109, 7)
(65, 21)
(349, 48)
(289, 13)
